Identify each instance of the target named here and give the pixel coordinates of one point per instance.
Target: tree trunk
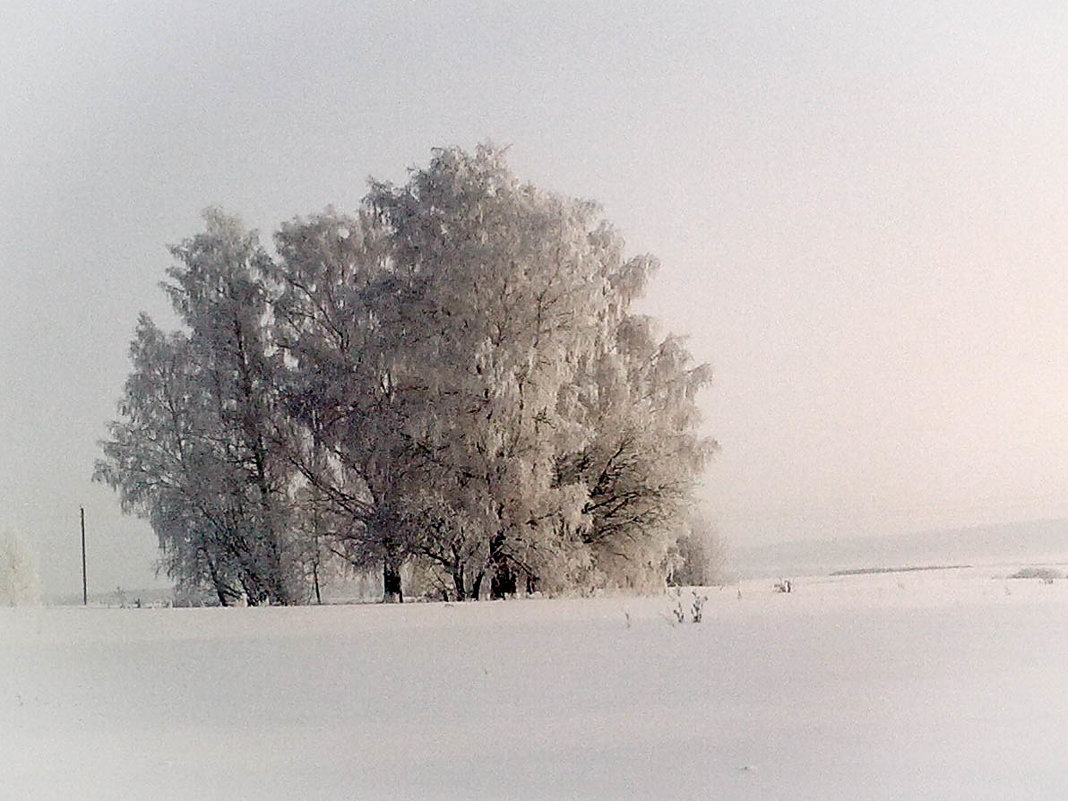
(221, 590)
(253, 597)
(458, 583)
(272, 580)
(256, 592)
(503, 581)
(476, 586)
(391, 584)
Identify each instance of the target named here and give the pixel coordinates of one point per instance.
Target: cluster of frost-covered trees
(452, 379)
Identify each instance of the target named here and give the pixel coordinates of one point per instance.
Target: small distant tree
(18, 573)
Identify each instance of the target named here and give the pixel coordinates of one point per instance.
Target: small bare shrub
(680, 613)
(677, 611)
(698, 607)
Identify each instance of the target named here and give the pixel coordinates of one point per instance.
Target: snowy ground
(934, 685)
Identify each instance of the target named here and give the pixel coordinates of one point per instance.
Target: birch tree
(454, 375)
(161, 467)
(348, 386)
(511, 288)
(646, 453)
(197, 447)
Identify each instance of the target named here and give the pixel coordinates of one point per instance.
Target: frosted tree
(567, 433)
(162, 465)
(646, 453)
(429, 338)
(509, 290)
(349, 387)
(699, 557)
(453, 375)
(18, 573)
(197, 449)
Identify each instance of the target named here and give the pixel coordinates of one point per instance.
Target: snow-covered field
(932, 685)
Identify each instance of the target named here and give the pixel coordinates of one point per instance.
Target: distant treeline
(866, 571)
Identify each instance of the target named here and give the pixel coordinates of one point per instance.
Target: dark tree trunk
(504, 580)
(221, 590)
(223, 600)
(458, 584)
(476, 586)
(253, 599)
(315, 584)
(256, 590)
(391, 584)
(271, 580)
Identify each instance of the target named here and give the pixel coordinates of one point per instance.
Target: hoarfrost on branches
(451, 378)
(197, 449)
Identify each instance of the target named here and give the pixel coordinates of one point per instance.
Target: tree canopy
(452, 378)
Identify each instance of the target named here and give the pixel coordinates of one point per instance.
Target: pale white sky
(860, 209)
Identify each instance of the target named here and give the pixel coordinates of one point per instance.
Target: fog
(860, 215)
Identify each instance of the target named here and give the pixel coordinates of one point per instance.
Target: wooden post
(85, 585)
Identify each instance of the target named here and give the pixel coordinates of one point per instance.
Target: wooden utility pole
(85, 585)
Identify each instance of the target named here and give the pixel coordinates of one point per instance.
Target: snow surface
(933, 685)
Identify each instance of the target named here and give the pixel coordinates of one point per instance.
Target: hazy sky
(860, 209)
